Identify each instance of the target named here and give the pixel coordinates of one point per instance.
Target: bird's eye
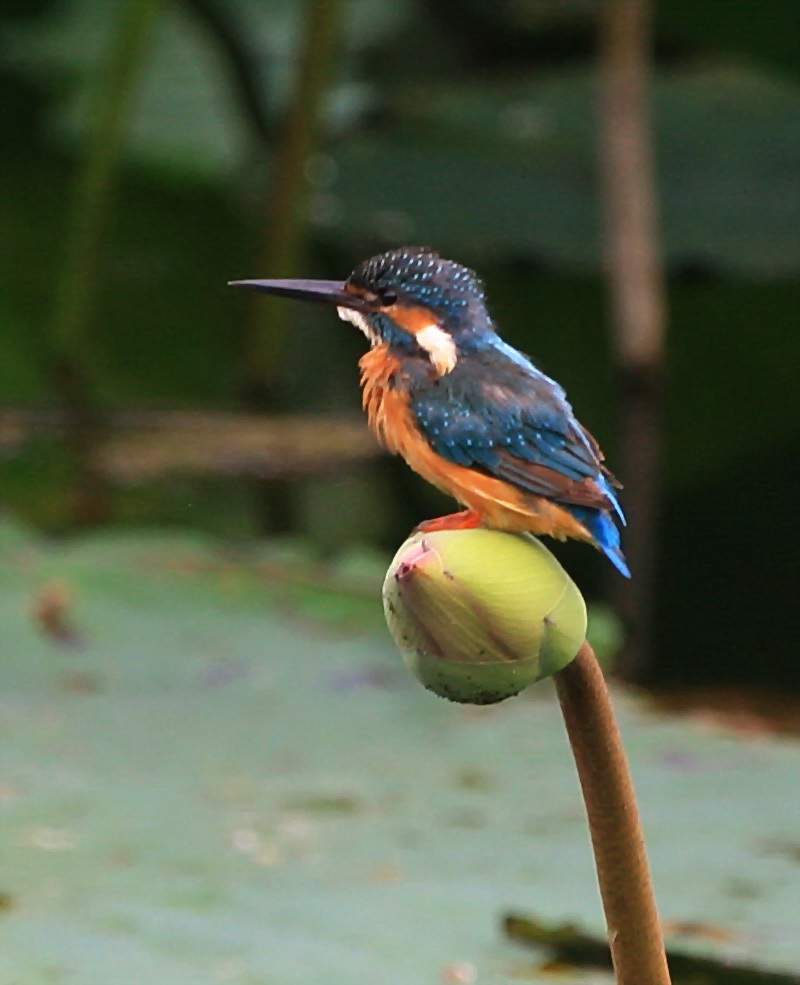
(387, 297)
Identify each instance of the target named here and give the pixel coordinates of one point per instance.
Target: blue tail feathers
(605, 485)
(604, 531)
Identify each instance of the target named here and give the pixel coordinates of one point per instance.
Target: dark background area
(464, 125)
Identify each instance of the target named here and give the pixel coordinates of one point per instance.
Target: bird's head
(409, 299)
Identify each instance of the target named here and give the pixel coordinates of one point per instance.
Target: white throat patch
(433, 339)
(440, 347)
(360, 320)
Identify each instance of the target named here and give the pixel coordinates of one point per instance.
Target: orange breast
(502, 505)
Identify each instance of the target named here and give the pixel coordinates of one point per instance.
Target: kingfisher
(467, 411)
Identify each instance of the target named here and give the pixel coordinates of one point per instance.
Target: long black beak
(326, 291)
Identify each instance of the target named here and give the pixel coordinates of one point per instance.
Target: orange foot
(465, 520)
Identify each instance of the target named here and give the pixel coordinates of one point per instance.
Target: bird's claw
(464, 520)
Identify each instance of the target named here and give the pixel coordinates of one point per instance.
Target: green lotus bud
(479, 615)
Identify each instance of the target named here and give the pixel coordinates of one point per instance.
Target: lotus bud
(479, 615)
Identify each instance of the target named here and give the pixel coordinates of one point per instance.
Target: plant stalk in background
(285, 233)
(638, 303)
(286, 219)
(80, 272)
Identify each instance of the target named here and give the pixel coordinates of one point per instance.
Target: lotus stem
(634, 930)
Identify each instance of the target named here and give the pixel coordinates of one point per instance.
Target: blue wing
(496, 412)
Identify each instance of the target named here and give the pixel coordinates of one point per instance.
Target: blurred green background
(206, 746)
(447, 123)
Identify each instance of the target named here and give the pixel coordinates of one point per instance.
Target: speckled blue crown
(417, 275)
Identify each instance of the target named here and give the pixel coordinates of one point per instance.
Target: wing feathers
(504, 417)
(544, 481)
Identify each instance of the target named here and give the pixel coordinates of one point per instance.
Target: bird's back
(499, 436)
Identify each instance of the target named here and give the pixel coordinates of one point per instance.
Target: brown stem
(634, 931)
(637, 294)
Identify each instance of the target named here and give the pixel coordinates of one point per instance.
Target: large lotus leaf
(186, 115)
(509, 168)
(197, 787)
(513, 170)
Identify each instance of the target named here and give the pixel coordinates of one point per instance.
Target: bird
(466, 410)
